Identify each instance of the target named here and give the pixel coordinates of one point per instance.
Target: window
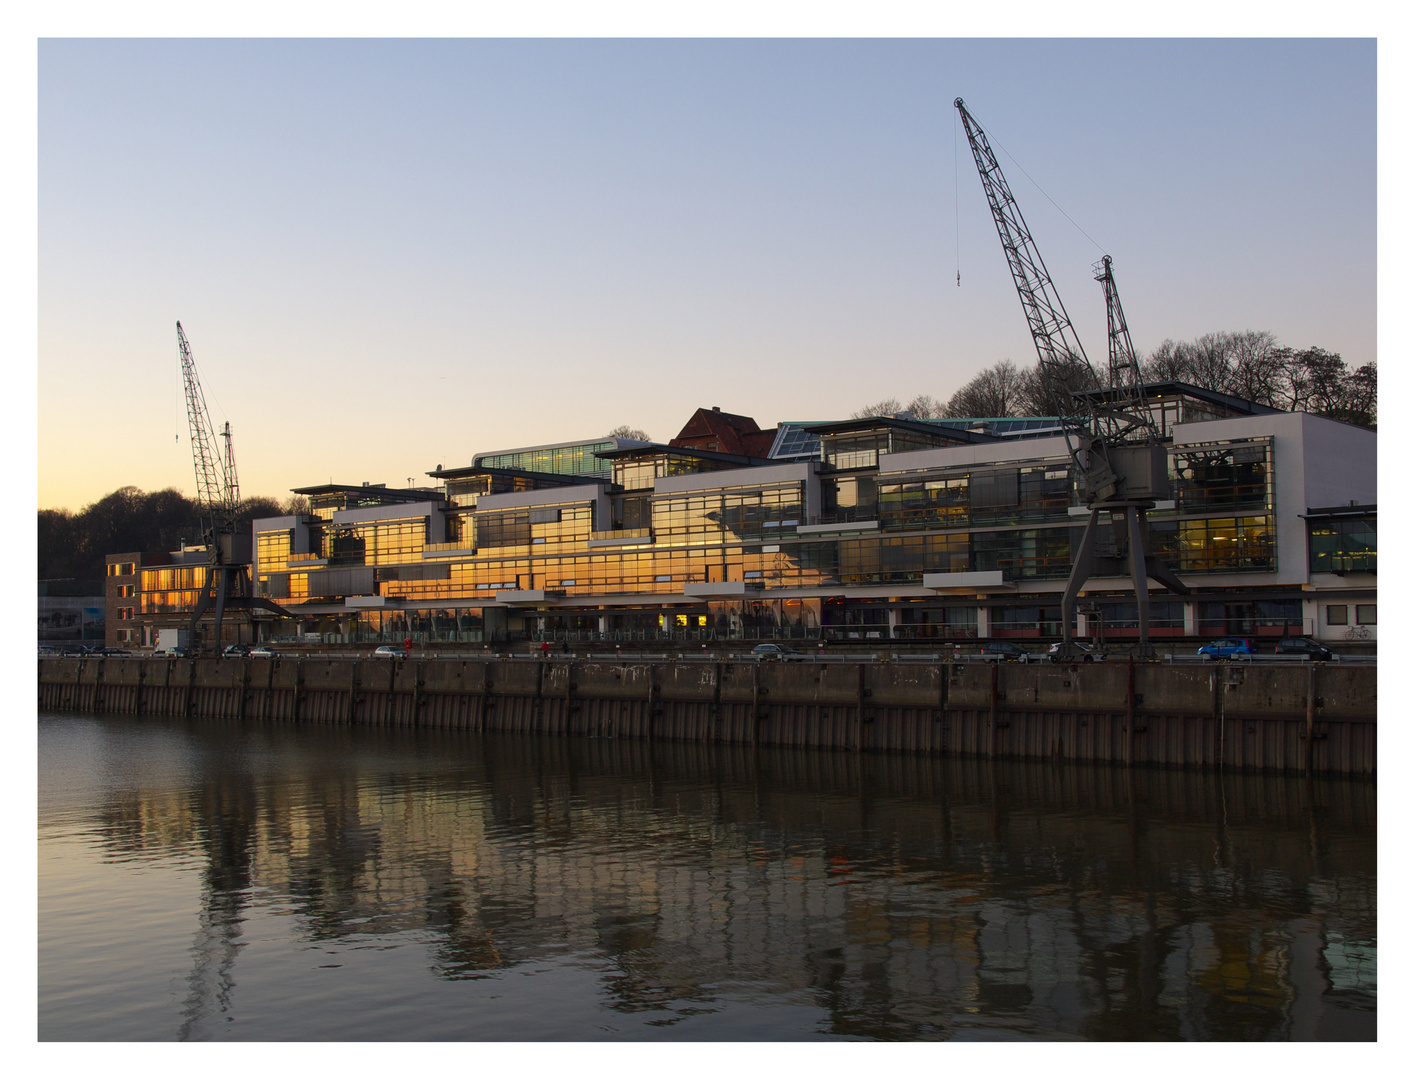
(1219, 477)
(1366, 614)
(1336, 614)
(1343, 546)
(503, 530)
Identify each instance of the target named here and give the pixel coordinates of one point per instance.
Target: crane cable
(957, 258)
(1039, 187)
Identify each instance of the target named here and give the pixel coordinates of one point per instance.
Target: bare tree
(924, 407)
(1169, 362)
(1053, 396)
(887, 407)
(1361, 397)
(996, 391)
(624, 431)
(1256, 363)
(1252, 365)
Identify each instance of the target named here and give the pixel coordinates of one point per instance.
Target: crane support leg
(203, 602)
(1082, 566)
(1165, 576)
(221, 586)
(1138, 576)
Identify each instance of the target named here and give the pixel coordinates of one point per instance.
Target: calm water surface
(205, 880)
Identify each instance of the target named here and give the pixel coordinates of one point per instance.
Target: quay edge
(1284, 718)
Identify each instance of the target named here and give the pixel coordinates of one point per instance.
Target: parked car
(174, 653)
(261, 650)
(1225, 648)
(386, 652)
(75, 649)
(236, 650)
(1086, 654)
(997, 651)
(112, 652)
(769, 651)
(1301, 646)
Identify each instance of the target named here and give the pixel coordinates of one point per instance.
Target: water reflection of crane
(226, 881)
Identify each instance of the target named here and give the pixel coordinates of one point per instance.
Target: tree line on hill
(1250, 364)
(129, 519)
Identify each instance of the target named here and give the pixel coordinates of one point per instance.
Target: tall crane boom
(1124, 413)
(1058, 348)
(1117, 456)
(217, 489)
(209, 473)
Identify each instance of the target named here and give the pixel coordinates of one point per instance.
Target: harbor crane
(1118, 457)
(219, 493)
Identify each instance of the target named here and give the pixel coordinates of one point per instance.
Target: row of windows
(1337, 614)
(173, 577)
(159, 603)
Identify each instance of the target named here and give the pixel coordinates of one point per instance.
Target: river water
(205, 880)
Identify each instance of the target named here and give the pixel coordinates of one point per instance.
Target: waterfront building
(885, 528)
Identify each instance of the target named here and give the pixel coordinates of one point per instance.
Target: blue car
(1224, 648)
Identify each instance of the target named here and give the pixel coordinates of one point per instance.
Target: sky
(389, 255)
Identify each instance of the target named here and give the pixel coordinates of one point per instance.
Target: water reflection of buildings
(907, 898)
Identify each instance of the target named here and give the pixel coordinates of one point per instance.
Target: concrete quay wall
(1245, 716)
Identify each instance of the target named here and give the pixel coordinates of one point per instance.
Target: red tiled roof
(730, 433)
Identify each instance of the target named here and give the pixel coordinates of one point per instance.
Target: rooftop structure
(576, 458)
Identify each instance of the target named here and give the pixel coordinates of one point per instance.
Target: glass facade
(1216, 545)
(1223, 477)
(170, 589)
(575, 459)
(1342, 546)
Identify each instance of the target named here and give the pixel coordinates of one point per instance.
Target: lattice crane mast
(218, 491)
(1117, 455)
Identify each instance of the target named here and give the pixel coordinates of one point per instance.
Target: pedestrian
(545, 650)
(407, 648)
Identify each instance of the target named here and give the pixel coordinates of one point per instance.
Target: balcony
(620, 538)
(851, 519)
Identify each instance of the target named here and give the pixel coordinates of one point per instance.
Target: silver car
(1084, 653)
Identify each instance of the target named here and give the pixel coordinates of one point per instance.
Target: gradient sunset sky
(393, 254)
